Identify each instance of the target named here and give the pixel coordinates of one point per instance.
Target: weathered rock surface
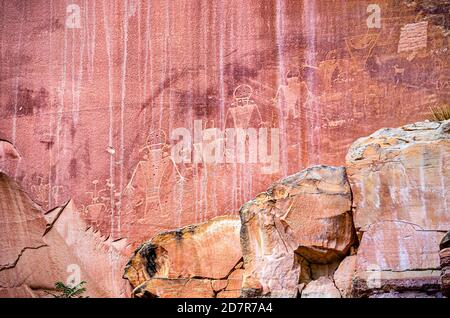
(344, 274)
(400, 179)
(402, 174)
(21, 220)
(42, 249)
(397, 256)
(323, 287)
(305, 217)
(91, 108)
(445, 264)
(202, 260)
(114, 76)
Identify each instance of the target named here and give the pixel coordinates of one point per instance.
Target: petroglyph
(413, 37)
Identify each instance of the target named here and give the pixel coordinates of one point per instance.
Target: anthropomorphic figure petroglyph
(145, 186)
(292, 96)
(243, 108)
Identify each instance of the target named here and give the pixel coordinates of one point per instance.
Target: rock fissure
(8, 266)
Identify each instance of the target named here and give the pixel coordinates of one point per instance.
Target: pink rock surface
(321, 288)
(343, 276)
(91, 110)
(400, 179)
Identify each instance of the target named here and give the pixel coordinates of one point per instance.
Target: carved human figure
(145, 199)
(243, 108)
(291, 97)
(41, 191)
(95, 210)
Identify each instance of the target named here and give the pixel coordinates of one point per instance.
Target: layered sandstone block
(400, 179)
(202, 260)
(301, 221)
(397, 257)
(445, 264)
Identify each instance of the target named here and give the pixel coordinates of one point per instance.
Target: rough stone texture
(445, 264)
(175, 288)
(234, 285)
(321, 288)
(91, 110)
(22, 222)
(343, 276)
(134, 70)
(445, 243)
(402, 174)
(397, 256)
(445, 271)
(305, 217)
(400, 179)
(205, 258)
(58, 246)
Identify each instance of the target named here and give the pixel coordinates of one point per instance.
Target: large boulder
(301, 220)
(397, 256)
(400, 179)
(402, 174)
(202, 260)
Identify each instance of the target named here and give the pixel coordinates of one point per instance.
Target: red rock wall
(91, 110)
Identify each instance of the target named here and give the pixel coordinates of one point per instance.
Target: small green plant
(440, 113)
(64, 291)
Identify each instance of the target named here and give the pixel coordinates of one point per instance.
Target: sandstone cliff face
(42, 249)
(87, 112)
(371, 229)
(202, 260)
(400, 179)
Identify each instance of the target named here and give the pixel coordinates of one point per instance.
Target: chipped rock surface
(42, 249)
(305, 217)
(397, 256)
(343, 276)
(400, 179)
(323, 287)
(202, 260)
